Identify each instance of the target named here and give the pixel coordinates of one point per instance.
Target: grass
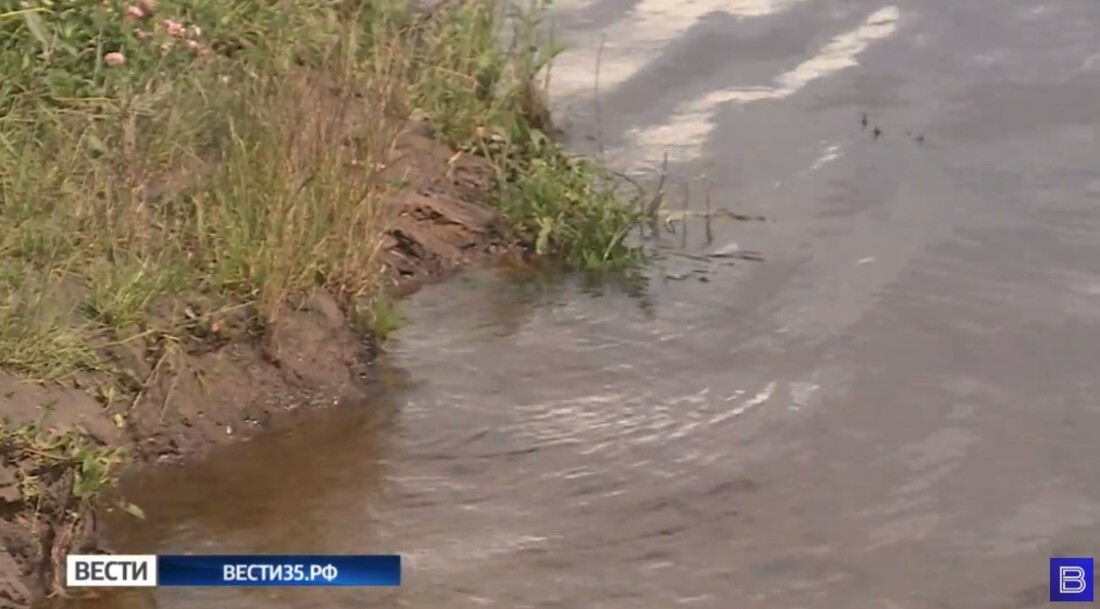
(163, 161)
(60, 475)
(43, 454)
(168, 165)
(487, 100)
(383, 317)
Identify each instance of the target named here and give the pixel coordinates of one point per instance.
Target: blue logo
(1071, 580)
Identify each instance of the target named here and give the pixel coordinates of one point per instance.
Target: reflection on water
(265, 496)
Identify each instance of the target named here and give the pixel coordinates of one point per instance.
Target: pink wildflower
(135, 12)
(114, 59)
(175, 28)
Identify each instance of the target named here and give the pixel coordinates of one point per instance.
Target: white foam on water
(802, 392)
(634, 42)
(759, 399)
(692, 122)
(830, 154)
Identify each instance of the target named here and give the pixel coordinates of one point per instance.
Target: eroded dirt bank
(227, 380)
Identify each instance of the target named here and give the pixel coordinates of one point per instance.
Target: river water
(897, 408)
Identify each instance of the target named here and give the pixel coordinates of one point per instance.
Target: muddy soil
(227, 385)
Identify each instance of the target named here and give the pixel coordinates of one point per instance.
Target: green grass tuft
(226, 152)
(485, 97)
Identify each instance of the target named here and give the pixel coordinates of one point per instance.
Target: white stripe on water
(686, 130)
(634, 42)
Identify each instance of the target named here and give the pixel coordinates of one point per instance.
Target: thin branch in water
(707, 215)
(596, 100)
(687, 207)
(658, 196)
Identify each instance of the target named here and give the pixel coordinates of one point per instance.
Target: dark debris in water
(878, 131)
(706, 263)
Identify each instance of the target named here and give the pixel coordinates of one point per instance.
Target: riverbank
(207, 211)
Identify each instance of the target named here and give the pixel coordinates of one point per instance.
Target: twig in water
(687, 206)
(658, 196)
(596, 100)
(698, 257)
(629, 180)
(550, 62)
(707, 216)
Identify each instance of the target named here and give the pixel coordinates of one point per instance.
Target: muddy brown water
(898, 408)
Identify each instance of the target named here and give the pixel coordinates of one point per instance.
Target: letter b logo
(1071, 580)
